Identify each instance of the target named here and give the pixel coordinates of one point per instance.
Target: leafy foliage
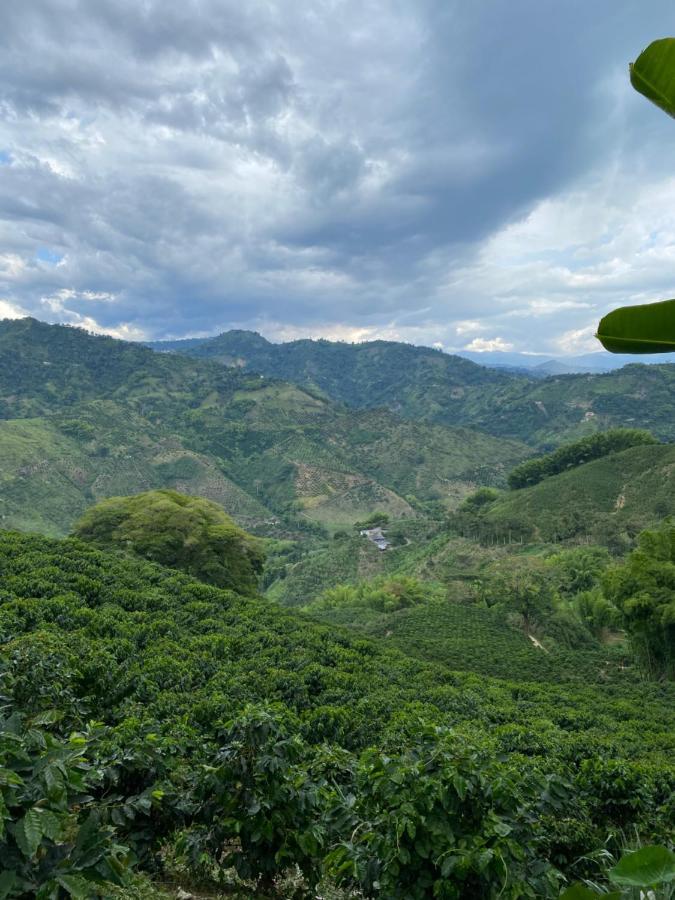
(188, 533)
(381, 595)
(444, 819)
(53, 839)
(643, 590)
(571, 455)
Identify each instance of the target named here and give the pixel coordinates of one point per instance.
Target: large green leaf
(28, 832)
(639, 329)
(653, 74)
(645, 868)
(7, 880)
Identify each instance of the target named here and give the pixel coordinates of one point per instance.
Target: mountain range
(288, 436)
(428, 385)
(84, 416)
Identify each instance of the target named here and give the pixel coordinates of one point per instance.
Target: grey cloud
(208, 163)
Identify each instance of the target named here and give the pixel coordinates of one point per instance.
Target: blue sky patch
(51, 257)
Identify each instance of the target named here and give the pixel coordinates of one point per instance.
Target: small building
(377, 537)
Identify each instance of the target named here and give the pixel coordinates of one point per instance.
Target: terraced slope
(474, 639)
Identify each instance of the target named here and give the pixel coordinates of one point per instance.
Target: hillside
(427, 385)
(170, 666)
(619, 494)
(52, 468)
(83, 417)
(471, 638)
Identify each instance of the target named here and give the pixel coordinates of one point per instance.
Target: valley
(414, 610)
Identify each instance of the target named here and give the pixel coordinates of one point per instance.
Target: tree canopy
(643, 590)
(187, 533)
(532, 471)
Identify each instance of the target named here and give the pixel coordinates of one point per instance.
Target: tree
(521, 586)
(643, 590)
(187, 533)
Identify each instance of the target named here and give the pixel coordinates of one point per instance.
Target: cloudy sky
(467, 174)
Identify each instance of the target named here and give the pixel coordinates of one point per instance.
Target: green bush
(444, 818)
(54, 841)
(187, 533)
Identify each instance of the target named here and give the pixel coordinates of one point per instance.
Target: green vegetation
(383, 595)
(608, 501)
(532, 471)
(482, 709)
(52, 840)
(422, 384)
(187, 533)
(643, 591)
(84, 417)
(460, 771)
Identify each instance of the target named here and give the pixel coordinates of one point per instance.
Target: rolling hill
(621, 493)
(83, 417)
(427, 385)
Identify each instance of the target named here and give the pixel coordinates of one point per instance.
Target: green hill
(83, 417)
(53, 468)
(621, 493)
(339, 727)
(427, 385)
(470, 638)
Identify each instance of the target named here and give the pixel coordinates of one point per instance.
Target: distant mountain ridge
(541, 365)
(231, 344)
(84, 417)
(424, 384)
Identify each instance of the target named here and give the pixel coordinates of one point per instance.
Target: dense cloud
(475, 175)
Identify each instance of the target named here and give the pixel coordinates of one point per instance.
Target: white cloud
(10, 311)
(482, 345)
(336, 169)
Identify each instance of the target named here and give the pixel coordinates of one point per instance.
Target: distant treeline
(595, 446)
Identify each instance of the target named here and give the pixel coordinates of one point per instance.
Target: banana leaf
(639, 329)
(653, 74)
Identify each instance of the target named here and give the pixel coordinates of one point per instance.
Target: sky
(467, 175)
